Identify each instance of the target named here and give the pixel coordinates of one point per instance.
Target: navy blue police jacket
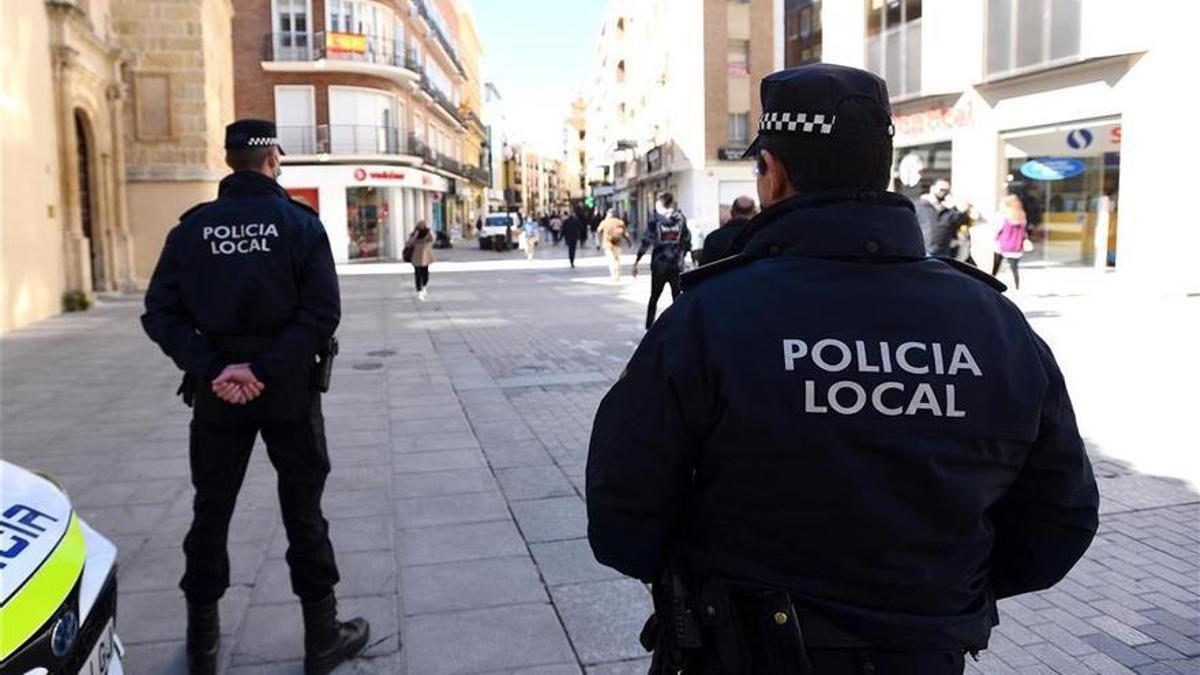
(251, 265)
(834, 414)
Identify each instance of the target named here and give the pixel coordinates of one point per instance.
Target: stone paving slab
(458, 431)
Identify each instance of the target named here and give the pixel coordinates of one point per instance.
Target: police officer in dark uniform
(822, 468)
(244, 300)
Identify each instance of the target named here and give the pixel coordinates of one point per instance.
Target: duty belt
(241, 344)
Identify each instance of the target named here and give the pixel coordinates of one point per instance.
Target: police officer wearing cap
(834, 454)
(244, 298)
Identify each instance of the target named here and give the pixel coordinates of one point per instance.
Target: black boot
(327, 641)
(203, 638)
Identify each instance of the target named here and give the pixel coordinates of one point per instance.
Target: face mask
(661, 210)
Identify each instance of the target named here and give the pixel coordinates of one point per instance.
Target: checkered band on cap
(262, 140)
(811, 123)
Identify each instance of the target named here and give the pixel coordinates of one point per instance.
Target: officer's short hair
(667, 199)
(247, 159)
(814, 164)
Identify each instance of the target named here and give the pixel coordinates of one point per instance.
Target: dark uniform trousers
(288, 415)
(853, 662)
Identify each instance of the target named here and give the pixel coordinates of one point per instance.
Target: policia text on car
(834, 454)
(245, 301)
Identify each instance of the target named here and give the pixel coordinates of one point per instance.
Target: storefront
(1068, 178)
(368, 210)
(927, 132)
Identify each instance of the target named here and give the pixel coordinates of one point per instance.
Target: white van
(497, 228)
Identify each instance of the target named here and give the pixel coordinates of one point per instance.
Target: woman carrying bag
(418, 250)
(1012, 242)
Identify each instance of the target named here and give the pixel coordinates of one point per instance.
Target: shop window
(152, 97)
(894, 44)
(1070, 197)
(917, 168)
(739, 58)
(802, 22)
(1030, 34)
(366, 221)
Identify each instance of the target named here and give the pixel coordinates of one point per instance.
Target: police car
(58, 583)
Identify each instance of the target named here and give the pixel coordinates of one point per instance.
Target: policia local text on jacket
(837, 416)
(250, 278)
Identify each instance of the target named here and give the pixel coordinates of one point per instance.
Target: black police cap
(250, 133)
(809, 103)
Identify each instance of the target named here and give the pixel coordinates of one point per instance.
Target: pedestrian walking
(419, 251)
(1011, 238)
(668, 239)
(529, 237)
(556, 229)
(820, 468)
(594, 225)
(611, 233)
(716, 244)
(574, 231)
(244, 298)
(940, 220)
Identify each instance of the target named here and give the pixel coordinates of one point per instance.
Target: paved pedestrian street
(458, 431)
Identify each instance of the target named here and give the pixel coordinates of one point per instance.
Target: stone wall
(31, 261)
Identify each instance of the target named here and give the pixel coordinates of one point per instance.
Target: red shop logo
(360, 174)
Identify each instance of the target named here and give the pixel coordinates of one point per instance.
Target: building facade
(1058, 101)
(574, 155)
(476, 149)
(118, 108)
(498, 197)
(374, 107)
(675, 114)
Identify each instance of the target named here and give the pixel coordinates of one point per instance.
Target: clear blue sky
(539, 54)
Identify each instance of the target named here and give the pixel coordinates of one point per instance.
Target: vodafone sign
(332, 175)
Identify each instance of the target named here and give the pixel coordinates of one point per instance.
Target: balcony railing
(478, 175)
(343, 139)
(437, 31)
(383, 51)
(471, 118)
(441, 99)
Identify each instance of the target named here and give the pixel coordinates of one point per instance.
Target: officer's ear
(773, 183)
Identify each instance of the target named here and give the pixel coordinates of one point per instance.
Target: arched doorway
(85, 169)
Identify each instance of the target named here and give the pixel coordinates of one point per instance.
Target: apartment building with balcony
(1067, 103)
(369, 100)
(675, 114)
(497, 194)
(574, 158)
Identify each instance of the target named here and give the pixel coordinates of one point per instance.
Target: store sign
(1052, 168)
(1079, 139)
(346, 43)
(944, 118)
(731, 152)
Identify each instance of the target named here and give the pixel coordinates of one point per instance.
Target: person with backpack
(418, 250)
(668, 239)
(610, 233)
